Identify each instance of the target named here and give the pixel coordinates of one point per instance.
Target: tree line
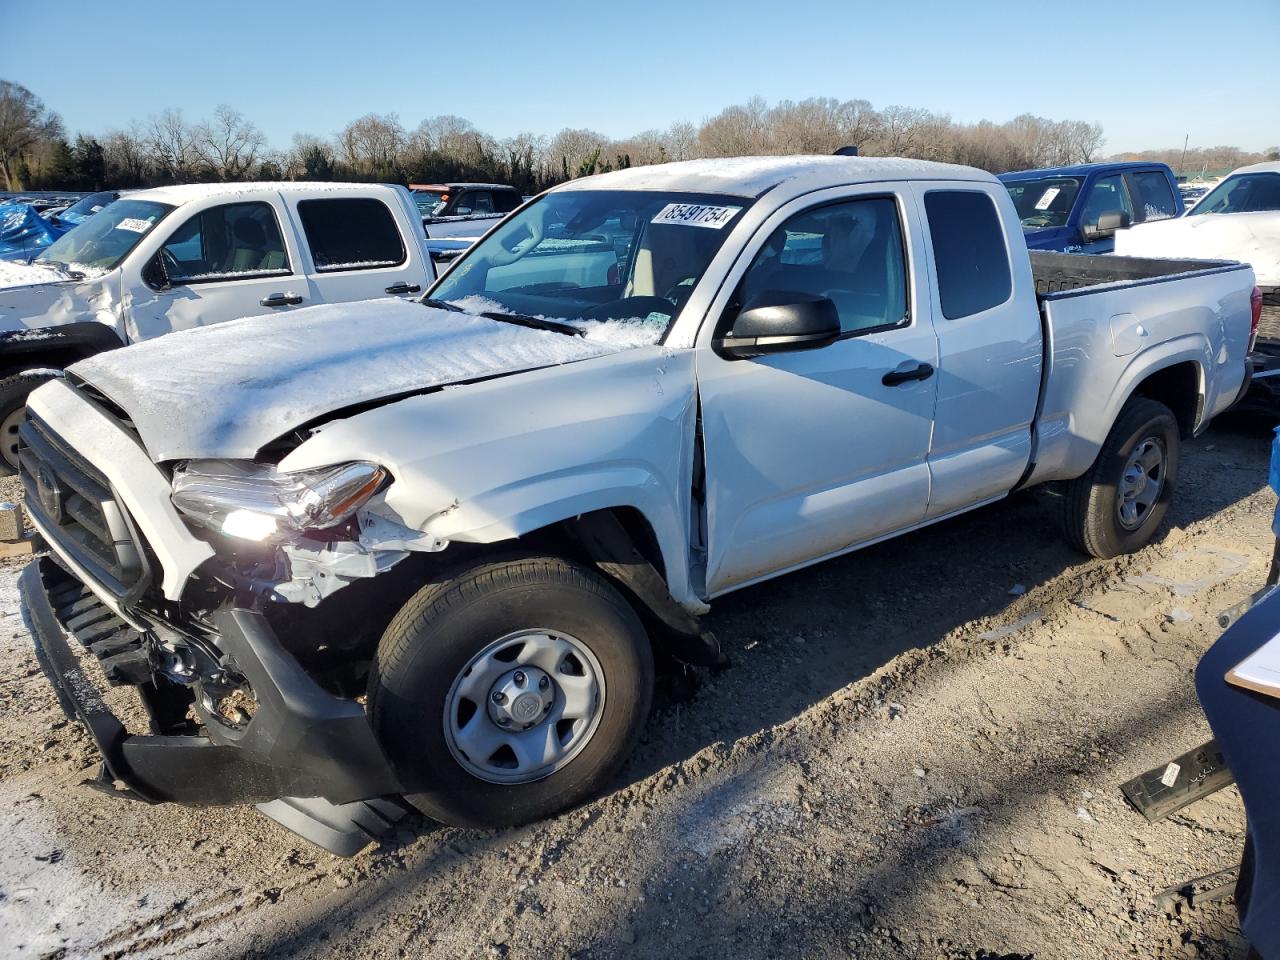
(38, 153)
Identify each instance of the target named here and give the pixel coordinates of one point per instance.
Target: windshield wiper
(536, 323)
(442, 305)
(63, 269)
(519, 319)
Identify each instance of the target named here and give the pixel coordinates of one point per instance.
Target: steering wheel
(628, 307)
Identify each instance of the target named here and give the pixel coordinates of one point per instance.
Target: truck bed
(1060, 273)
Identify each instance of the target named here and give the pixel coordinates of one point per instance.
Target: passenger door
(223, 263)
(355, 250)
(811, 453)
(989, 341)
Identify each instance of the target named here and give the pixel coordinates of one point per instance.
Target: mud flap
(1169, 787)
(344, 829)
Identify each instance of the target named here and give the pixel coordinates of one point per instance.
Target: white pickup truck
(423, 549)
(167, 259)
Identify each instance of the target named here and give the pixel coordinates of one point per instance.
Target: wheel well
(59, 359)
(1178, 388)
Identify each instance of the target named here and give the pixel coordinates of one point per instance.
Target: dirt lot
(915, 753)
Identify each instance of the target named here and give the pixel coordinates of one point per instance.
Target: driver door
(812, 453)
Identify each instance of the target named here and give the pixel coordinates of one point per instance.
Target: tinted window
(849, 252)
(236, 241)
(1107, 195)
(969, 252)
(1155, 196)
(504, 201)
(351, 233)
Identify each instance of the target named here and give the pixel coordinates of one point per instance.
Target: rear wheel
(511, 691)
(1118, 505)
(13, 410)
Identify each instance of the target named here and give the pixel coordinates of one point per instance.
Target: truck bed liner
(1059, 274)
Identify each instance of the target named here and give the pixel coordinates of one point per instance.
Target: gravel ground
(915, 752)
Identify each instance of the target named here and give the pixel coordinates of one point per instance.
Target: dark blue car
(1078, 209)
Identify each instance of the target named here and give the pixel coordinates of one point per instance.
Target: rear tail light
(1255, 306)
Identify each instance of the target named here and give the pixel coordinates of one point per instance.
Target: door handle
(922, 371)
(280, 300)
(403, 288)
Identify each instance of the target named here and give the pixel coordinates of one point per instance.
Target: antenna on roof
(845, 152)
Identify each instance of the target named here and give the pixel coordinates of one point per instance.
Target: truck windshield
(102, 241)
(430, 202)
(1044, 203)
(1245, 193)
(596, 255)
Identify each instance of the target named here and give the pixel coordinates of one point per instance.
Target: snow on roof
(752, 176)
(181, 193)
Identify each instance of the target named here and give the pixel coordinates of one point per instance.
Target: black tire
(1244, 882)
(1092, 514)
(444, 625)
(13, 401)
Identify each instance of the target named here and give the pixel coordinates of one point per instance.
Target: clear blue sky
(1148, 72)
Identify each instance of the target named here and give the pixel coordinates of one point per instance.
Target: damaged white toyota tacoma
(426, 550)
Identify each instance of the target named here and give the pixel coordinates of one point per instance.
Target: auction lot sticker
(135, 225)
(696, 215)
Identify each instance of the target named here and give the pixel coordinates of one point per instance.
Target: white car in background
(175, 257)
(1239, 219)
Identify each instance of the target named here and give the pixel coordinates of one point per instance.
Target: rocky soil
(916, 752)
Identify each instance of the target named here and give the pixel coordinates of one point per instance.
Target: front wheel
(13, 410)
(510, 692)
(1118, 505)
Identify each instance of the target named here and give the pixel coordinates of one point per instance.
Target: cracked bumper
(301, 741)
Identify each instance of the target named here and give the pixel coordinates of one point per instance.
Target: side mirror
(462, 212)
(155, 275)
(780, 321)
(1107, 225)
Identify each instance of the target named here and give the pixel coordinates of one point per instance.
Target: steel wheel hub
(524, 706)
(9, 431)
(1141, 483)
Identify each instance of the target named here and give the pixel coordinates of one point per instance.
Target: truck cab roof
(752, 176)
(1084, 169)
(179, 194)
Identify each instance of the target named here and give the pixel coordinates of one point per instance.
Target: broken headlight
(254, 501)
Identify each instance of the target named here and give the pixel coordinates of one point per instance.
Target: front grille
(78, 510)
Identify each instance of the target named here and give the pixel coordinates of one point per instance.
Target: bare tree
(127, 157)
(24, 122)
(373, 143)
(682, 140)
(171, 142)
(572, 151)
(740, 130)
(228, 145)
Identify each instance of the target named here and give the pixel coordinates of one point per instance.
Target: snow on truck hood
(226, 390)
(1252, 238)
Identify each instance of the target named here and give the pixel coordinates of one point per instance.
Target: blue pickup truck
(1078, 209)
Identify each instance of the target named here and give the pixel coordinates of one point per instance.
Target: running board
(344, 829)
(1171, 786)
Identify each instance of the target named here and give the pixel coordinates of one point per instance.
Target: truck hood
(34, 297)
(1252, 238)
(228, 389)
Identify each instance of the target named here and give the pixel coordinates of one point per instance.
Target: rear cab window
(970, 255)
(351, 233)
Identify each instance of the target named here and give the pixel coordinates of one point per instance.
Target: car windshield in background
(86, 207)
(1044, 203)
(102, 241)
(1246, 193)
(582, 255)
(430, 202)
